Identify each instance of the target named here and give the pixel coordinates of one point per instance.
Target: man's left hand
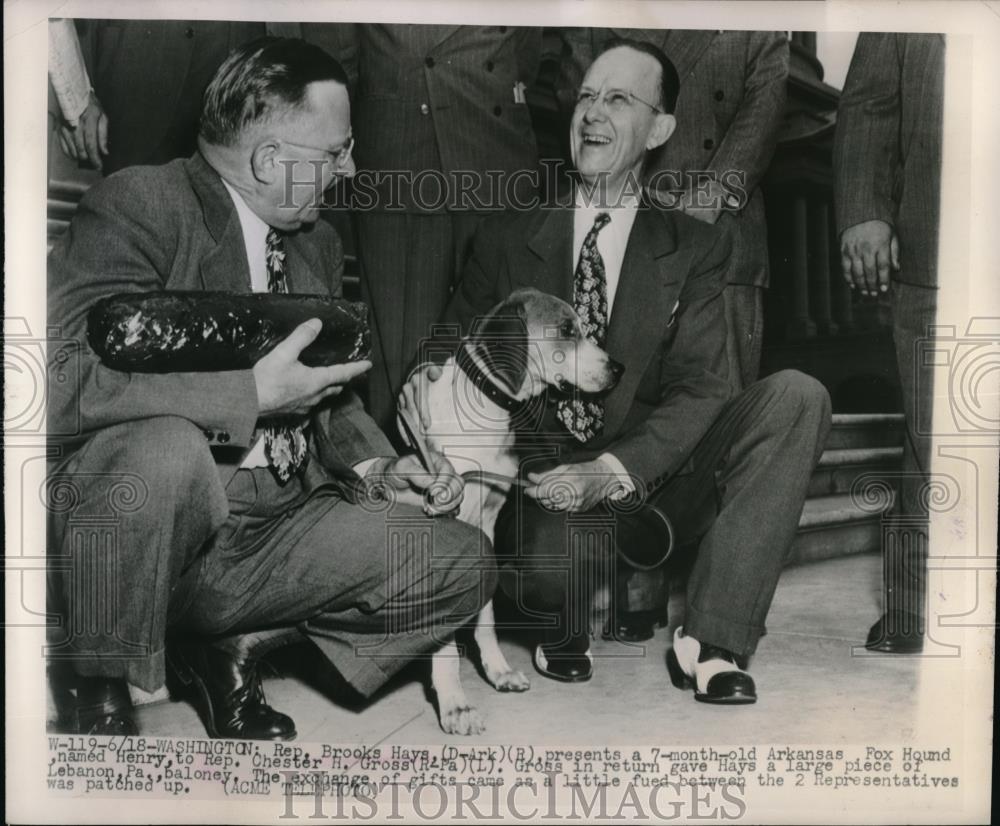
(441, 488)
(574, 487)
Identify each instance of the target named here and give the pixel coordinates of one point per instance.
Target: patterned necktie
(284, 440)
(585, 419)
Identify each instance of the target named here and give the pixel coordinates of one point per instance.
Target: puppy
(526, 343)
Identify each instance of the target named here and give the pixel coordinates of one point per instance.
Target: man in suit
(437, 108)
(730, 471)
(729, 109)
(887, 177)
(251, 503)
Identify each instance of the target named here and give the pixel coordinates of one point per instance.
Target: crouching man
(247, 505)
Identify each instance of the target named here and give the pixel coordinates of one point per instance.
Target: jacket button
(425, 109)
(429, 62)
(189, 32)
(709, 143)
(223, 437)
(489, 65)
(497, 110)
(209, 435)
(719, 94)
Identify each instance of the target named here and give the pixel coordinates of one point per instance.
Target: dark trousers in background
(740, 504)
(410, 263)
(373, 587)
(904, 552)
(744, 305)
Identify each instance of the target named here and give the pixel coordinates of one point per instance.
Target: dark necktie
(584, 418)
(284, 439)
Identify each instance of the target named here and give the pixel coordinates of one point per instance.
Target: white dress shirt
(612, 242)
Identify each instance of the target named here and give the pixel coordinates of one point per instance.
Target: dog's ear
(503, 341)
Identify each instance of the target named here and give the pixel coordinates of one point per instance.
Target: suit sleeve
(115, 245)
(693, 384)
(750, 140)
(866, 146)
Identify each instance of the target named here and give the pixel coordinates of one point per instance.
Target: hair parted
(670, 83)
(259, 79)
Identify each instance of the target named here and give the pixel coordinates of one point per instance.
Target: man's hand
(441, 488)
(88, 140)
(867, 251)
(413, 396)
(286, 386)
(708, 204)
(575, 487)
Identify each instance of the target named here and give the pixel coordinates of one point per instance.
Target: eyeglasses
(614, 100)
(339, 158)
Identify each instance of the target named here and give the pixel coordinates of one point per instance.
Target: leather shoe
(713, 672)
(103, 706)
(635, 626)
(225, 688)
(896, 632)
(568, 662)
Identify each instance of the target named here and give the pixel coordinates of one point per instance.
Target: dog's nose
(617, 369)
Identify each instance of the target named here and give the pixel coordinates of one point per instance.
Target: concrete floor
(811, 687)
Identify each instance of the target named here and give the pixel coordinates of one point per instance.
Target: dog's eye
(567, 329)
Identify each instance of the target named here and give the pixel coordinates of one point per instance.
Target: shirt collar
(249, 219)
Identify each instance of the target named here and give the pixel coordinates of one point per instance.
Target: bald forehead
(625, 68)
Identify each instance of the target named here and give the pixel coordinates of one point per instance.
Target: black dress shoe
(103, 706)
(568, 662)
(635, 626)
(225, 688)
(716, 675)
(896, 632)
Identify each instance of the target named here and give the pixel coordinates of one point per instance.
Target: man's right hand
(88, 140)
(413, 397)
(286, 386)
(867, 251)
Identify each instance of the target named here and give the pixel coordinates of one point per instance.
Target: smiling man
(246, 483)
(731, 473)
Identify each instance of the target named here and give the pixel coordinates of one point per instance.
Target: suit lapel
(685, 48)
(225, 267)
(549, 265)
(650, 282)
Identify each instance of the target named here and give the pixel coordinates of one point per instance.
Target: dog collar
(482, 381)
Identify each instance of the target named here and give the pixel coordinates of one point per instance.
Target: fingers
(894, 251)
(882, 264)
(102, 133)
(868, 260)
(297, 341)
(66, 142)
(90, 141)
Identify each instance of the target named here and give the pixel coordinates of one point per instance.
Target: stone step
(861, 430)
(837, 470)
(837, 525)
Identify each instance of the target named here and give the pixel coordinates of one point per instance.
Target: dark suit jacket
(150, 75)
(675, 372)
(441, 98)
(887, 151)
(175, 227)
(730, 106)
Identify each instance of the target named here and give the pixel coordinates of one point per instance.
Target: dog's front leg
(498, 671)
(455, 714)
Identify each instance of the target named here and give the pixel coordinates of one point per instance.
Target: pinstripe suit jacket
(188, 237)
(730, 106)
(887, 152)
(441, 98)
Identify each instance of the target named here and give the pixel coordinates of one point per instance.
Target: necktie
(284, 439)
(585, 419)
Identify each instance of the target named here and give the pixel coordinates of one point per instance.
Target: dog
(526, 343)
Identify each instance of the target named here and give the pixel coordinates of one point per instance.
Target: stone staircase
(833, 523)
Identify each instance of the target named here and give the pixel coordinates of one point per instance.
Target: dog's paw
(462, 720)
(510, 680)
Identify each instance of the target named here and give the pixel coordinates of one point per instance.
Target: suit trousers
(373, 586)
(410, 263)
(739, 506)
(744, 305)
(904, 555)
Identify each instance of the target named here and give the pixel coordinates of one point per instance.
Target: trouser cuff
(739, 637)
